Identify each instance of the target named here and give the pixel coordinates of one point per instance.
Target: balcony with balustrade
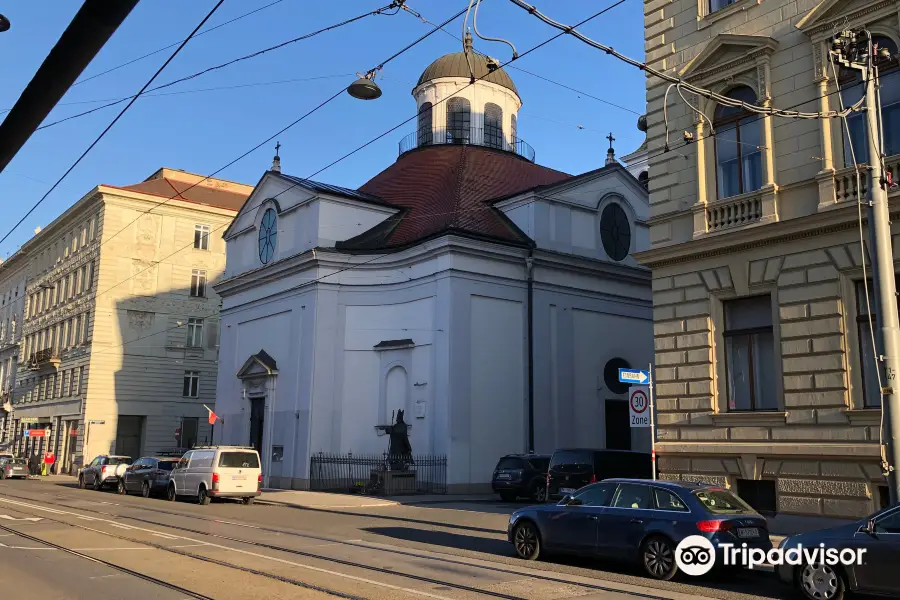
(46, 359)
(471, 136)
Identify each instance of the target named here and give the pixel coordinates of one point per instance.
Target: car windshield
(17, 461)
(166, 465)
(721, 502)
(239, 460)
(540, 464)
(509, 463)
(567, 460)
(119, 460)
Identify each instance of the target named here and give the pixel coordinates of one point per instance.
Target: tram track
(444, 559)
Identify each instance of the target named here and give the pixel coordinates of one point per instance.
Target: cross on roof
(278, 147)
(611, 139)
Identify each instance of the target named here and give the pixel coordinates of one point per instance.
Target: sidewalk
(304, 499)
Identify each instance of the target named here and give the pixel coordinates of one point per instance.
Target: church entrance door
(618, 427)
(257, 417)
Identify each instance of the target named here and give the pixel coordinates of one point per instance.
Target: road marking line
(165, 536)
(238, 524)
(364, 580)
(120, 526)
(9, 518)
(187, 546)
(110, 549)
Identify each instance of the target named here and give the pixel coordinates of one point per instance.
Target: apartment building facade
(119, 340)
(765, 369)
(13, 279)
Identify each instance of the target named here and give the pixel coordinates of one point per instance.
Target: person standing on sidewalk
(49, 459)
(34, 464)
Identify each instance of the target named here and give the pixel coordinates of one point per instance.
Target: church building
(488, 297)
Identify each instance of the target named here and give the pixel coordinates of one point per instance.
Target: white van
(217, 472)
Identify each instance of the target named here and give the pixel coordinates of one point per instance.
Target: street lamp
(365, 87)
(4, 24)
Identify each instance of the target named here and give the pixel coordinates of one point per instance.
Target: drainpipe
(529, 266)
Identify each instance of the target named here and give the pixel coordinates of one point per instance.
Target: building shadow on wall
(165, 366)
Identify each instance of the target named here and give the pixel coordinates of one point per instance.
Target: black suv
(521, 475)
(574, 468)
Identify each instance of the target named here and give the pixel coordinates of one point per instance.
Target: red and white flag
(212, 416)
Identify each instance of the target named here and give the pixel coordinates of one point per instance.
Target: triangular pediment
(830, 16)
(725, 51)
(258, 365)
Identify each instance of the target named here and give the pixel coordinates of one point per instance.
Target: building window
(52, 390)
(871, 396)
(750, 354)
(198, 283)
(738, 156)
(268, 235)
(852, 89)
(64, 384)
(195, 333)
(459, 121)
(83, 279)
(76, 331)
(715, 5)
(82, 384)
(513, 130)
(201, 237)
(493, 126)
(191, 387)
(615, 232)
(760, 494)
(90, 283)
(424, 130)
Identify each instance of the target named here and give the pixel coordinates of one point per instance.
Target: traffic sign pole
(652, 423)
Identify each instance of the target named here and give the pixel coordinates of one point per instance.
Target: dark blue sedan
(639, 520)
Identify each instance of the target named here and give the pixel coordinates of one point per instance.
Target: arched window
(513, 129)
(738, 157)
(425, 135)
(459, 121)
(644, 179)
(493, 126)
(852, 89)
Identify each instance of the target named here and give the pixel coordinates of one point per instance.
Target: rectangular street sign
(639, 406)
(634, 376)
(36, 433)
(28, 420)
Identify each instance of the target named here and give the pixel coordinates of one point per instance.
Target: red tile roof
(166, 187)
(448, 187)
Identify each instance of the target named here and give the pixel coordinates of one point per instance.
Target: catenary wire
(383, 10)
(116, 119)
(348, 267)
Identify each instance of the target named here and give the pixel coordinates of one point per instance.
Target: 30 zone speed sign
(638, 405)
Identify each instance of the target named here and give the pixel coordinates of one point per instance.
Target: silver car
(103, 471)
(13, 467)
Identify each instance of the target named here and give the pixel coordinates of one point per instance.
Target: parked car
(103, 471)
(638, 520)
(521, 475)
(879, 535)
(13, 467)
(217, 472)
(572, 469)
(148, 475)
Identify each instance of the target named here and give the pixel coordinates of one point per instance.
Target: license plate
(503, 476)
(748, 532)
(566, 491)
(238, 477)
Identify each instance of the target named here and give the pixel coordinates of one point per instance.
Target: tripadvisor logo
(696, 555)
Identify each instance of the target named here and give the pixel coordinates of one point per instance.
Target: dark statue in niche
(400, 451)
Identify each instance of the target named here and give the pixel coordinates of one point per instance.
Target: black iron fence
(378, 474)
(476, 136)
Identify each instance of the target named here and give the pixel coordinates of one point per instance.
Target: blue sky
(200, 131)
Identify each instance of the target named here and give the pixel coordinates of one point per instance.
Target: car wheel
(539, 495)
(170, 493)
(145, 489)
(527, 541)
(81, 482)
(658, 558)
(202, 496)
(508, 496)
(98, 485)
(120, 488)
(247, 501)
(820, 582)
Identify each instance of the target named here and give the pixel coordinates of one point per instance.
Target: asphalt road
(58, 542)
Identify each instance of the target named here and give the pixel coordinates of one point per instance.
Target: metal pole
(652, 423)
(889, 322)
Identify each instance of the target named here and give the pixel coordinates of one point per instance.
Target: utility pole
(854, 50)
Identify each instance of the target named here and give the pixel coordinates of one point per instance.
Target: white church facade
(490, 298)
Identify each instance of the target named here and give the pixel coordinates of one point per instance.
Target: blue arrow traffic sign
(633, 376)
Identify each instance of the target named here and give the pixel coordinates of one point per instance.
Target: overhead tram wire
(380, 11)
(164, 48)
(115, 120)
(349, 267)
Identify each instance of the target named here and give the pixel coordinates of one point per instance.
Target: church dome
(454, 65)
